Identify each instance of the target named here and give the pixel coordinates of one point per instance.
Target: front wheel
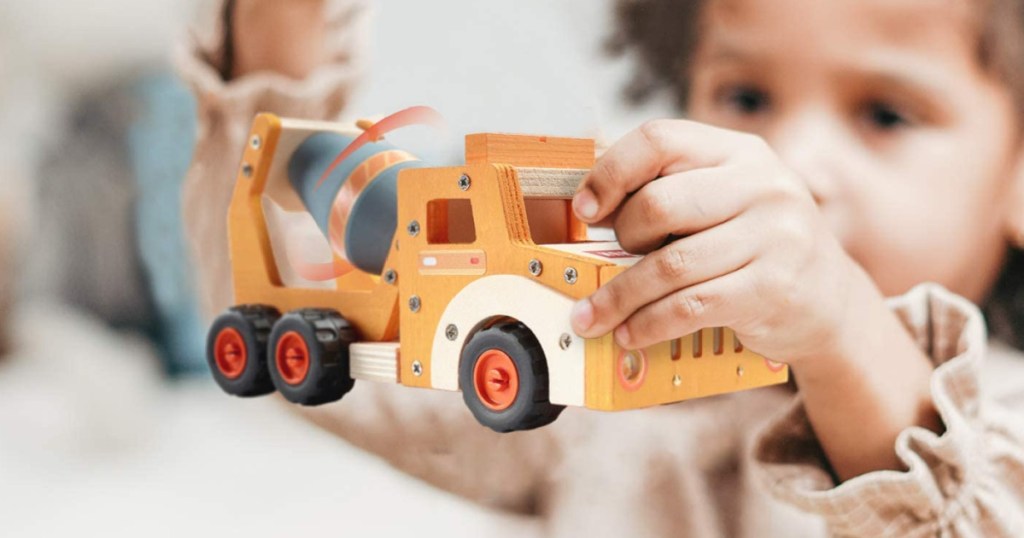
(504, 379)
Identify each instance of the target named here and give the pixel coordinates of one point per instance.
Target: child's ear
(1014, 219)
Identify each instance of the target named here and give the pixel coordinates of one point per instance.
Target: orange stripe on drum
(354, 184)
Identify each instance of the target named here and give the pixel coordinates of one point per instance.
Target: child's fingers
(708, 304)
(657, 148)
(681, 264)
(683, 204)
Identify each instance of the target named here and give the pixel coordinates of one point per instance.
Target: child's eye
(743, 99)
(884, 117)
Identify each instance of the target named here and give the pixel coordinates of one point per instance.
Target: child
(888, 154)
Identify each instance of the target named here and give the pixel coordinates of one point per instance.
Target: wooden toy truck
(477, 275)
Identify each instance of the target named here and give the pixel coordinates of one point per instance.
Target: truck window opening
(549, 221)
(450, 222)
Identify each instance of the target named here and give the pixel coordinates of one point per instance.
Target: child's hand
(755, 253)
(756, 256)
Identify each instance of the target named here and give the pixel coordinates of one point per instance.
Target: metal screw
(414, 303)
(464, 182)
(739, 371)
(571, 275)
(677, 380)
(536, 268)
(390, 276)
(413, 228)
(255, 141)
(417, 368)
(451, 332)
(565, 341)
(247, 170)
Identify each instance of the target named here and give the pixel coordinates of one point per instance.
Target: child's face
(881, 105)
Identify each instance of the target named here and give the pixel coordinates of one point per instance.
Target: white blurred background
(94, 439)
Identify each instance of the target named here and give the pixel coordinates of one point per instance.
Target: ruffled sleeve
(225, 110)
(968, 481)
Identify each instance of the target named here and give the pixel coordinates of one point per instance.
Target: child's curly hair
(662, 34)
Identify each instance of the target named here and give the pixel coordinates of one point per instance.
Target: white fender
(543, 310)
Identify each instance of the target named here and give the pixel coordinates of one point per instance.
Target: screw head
(414, 303)
(464, 182)
(247, 170)
(571, 275)
(390, 276)
(255, 142)
(565, 341)
(417, 368)
(451, 332)
(677, 380)
(536, 268)
(413, 228)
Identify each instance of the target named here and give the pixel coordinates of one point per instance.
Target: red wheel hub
(292, 358)
(496, 380)
(229, 353)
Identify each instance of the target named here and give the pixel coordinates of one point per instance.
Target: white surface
(609, 252)
(92, 443)
(530, 66)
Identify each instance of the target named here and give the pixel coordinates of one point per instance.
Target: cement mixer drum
(356, 205)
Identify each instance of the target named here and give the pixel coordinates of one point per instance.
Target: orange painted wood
(529, 151)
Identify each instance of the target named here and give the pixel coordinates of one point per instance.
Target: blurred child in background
(888, 155)
(103, 134)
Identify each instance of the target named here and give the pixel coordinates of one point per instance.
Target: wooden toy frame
(442, 285)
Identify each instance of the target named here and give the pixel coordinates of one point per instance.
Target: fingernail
(622, 336)
(582, 316)
(585, 204)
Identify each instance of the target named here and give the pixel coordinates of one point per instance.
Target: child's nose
(812, 145)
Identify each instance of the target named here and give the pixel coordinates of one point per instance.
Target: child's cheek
(908, 238)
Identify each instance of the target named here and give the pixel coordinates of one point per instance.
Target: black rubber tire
(253, 322)
(327, 336)
(531, 408)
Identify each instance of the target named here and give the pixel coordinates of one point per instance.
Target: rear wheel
(309, 361)
(236, 349)
(504, 379)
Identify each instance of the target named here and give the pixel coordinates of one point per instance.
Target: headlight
(632, 369)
